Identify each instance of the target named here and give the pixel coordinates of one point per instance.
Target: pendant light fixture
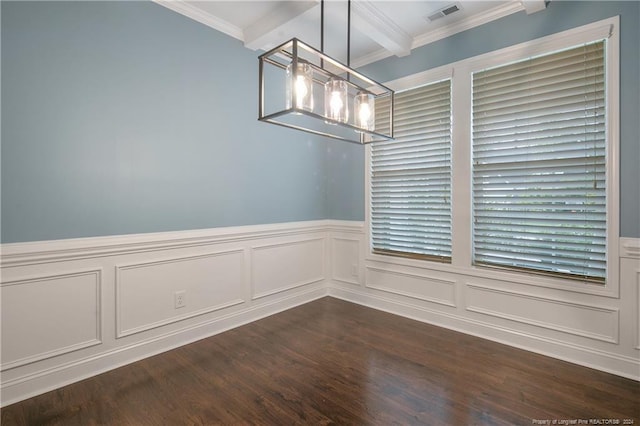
(304, 89)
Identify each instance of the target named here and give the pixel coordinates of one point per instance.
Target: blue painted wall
(517, 28)
(345, 181)
(126, 117)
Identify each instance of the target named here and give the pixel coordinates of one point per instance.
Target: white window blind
(411, 177)
(539, 141)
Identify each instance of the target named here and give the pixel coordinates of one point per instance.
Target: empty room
(320, 212)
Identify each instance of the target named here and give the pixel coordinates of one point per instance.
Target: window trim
(461, 73)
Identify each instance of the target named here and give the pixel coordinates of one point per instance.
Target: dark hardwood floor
(331, 361)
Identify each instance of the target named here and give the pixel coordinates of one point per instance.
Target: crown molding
(467, 24)
(381, 29)
(441, 33)
(184, 8)
(393, 39)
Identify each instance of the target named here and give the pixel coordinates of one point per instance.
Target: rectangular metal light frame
(324, 68)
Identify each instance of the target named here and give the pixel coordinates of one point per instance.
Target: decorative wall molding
(630, 248)
(593, 327)
(498, 274)
(630, 262)
(33, 253)
(346, 226)
(637, 276)
(42, 324)
(343, 268)
(304, 265)
(22, 386)
(607, 316)
(134, 281)
(260, 270)
(408, 284)
(610, 362)
(155, 271)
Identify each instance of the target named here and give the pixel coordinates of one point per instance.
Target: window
(539, 190)
(507, 163)
(411, 177)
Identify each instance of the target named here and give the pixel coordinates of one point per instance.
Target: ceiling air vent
(445, 11)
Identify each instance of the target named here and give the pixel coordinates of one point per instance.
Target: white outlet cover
(180, 299)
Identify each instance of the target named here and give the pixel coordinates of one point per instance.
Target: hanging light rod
(304, 89)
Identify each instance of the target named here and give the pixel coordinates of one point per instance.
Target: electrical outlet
(180, 299)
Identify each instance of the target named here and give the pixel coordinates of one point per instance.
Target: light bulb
(364, 105)
(336, 107)
(365, 113)
(302, 89)
(336, 104)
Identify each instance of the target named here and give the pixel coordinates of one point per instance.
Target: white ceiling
(379, 28)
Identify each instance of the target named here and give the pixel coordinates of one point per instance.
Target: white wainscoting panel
(285, 266)
(75, 308)
(345, 265)
(145, 292)
(594, 322)
(46, 316)
(410, 284)
(637, 310)
(595, 326)
(630, 272)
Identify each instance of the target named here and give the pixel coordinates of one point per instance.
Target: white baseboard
(624, 366)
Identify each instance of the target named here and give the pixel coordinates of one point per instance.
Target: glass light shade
(364, 110)
(286, 95)
(336, 105)
(299, 90)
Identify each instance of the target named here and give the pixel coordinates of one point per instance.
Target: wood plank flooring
(334, 362)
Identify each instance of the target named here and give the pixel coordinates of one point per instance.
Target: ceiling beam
(484, 17)
(199, 15)
(260, 34)
(533, 6)
(380, 28)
